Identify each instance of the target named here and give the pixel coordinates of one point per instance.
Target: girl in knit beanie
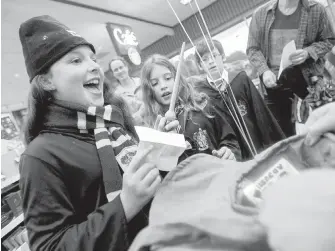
(81, 149)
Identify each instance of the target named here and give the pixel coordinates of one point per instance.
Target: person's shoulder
(38, 155)
(43, 140)
(45, 145)
(38, 144)
(239, 75)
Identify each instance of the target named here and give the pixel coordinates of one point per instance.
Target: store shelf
(8, 182)
(13, 224)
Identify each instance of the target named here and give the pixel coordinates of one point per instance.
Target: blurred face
(213, 68)
(162, 81)
(119, 69)
(77, 78)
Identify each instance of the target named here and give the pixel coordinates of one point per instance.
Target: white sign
(134, 56)
(126, 38)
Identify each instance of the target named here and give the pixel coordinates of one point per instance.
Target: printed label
(281, 169)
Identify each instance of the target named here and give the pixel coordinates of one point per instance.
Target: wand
(170, 114)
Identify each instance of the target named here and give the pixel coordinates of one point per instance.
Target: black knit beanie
(44, 41)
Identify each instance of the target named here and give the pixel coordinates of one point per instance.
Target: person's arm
(50, 217)
(325, 38)
(254, 53)
(226, 135)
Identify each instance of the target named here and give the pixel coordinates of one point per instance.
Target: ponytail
(38, 101)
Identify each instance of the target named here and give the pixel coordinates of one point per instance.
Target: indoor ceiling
(149, 19)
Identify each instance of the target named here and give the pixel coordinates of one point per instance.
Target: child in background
(204, 129)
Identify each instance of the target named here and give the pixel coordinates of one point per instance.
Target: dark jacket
(64, 200)
(261, 124)
(208, 132)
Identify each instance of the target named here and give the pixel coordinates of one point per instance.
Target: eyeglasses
(207, 58)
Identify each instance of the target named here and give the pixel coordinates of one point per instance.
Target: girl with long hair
(204, 129)
(83, 183)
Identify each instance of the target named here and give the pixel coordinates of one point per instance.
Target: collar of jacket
(305, 3)
(224, 76)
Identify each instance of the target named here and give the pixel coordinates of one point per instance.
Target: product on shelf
(18, 240)
(6, 214)
(12, 238)
(9, 130)
(14, 202)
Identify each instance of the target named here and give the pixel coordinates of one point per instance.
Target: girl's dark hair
(38, 102)
(112, 98)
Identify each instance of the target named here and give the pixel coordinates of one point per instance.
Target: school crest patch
(242, 106)
(200, 138)
(125, 156)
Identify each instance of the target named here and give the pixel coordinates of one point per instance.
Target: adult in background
(127, 86)
(274, 25)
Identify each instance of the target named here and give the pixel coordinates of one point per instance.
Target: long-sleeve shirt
(314, 35)
(64, 200)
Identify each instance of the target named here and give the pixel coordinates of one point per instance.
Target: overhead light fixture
(185, 2)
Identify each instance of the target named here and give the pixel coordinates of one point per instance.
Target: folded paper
(167, 147)
(285, 58)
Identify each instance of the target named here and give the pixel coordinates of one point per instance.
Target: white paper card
(167, 147)
(285, 57)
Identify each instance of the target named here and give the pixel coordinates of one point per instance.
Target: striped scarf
(115, 146)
